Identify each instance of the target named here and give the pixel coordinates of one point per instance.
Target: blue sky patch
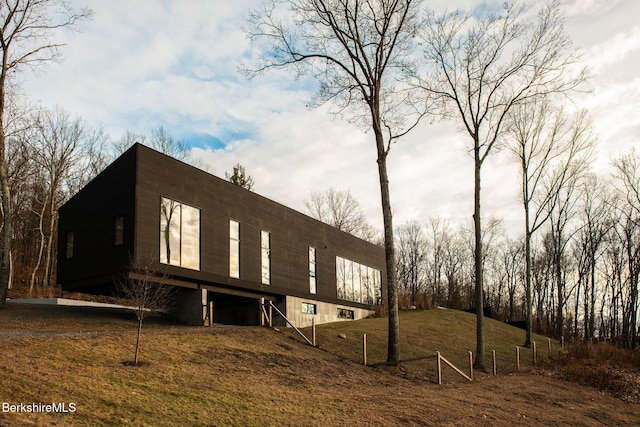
(486, 9)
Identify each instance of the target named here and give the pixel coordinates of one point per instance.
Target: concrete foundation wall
(325, 312)
(190, 306)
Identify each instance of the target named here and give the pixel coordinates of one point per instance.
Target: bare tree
(549, 148)
(18, 163)
(481, 67)
(340, 209)
(512, 266)
(143, 288)
(455, 261)
(161, 140)
(62, 150)
(25, 41)
(628, 174)
(437, 234)
(240, 177)
(613, 267)
(412, 256)
(355, 49)
(126, 141)
(591, 237)
(561, 232)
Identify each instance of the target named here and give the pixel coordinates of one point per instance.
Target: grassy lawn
(246, 376)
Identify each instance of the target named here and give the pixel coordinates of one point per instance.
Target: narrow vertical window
(234, 249)
(118, 230)
(265, 239)
(340, 278)
(312, 270)
(69, 248)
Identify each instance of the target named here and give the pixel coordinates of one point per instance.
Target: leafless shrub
(143, 288)
(603, 366)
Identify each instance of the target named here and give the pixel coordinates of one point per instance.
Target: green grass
(425, 332)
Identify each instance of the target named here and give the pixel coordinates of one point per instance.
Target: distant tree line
(585, 262)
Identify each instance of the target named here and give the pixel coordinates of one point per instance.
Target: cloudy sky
(138, 65)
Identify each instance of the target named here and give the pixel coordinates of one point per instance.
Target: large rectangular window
(265, 239)
(234, 249)
(356, 282)
(312, 270)
(179, 234)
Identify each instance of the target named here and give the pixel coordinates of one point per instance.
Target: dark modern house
(216, 242)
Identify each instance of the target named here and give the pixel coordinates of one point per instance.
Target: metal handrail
(290, 324)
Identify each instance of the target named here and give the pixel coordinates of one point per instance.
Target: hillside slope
(256, 376)
(425, 332)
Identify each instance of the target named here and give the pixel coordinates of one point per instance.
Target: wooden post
(210, 313)
(441, 358)
(313, 331)
(471, 364)
(364, 349)
(270, 316)
(549, 347)
(262, 320)
(533, 353)
(517, 358)
(439, 367)
(493, 354)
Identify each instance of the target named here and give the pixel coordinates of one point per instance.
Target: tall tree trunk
(140, 317)
(527, 279)
(592, 310)
(560, 286)
(479, 362)
(633, 310)
(46, 278)
(36, 267)
(393, 349)
(7, 219)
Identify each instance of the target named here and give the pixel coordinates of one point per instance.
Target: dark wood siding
(157, 176)
(90, 216)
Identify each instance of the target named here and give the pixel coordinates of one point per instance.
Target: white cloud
(615, 49)
(142, 64)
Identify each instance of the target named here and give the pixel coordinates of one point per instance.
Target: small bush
(603, 366)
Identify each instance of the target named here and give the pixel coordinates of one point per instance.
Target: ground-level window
(356, 282)
(234, 249)
(343, 313)
(308, 308)
(69, 245)
(312, 270)
(265, 239)
(179, 234)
